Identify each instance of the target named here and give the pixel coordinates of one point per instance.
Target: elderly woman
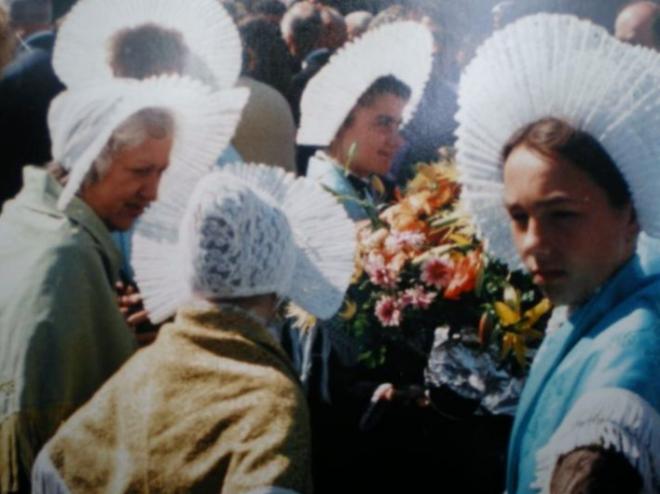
(138, 39)
(354, 108)
(214, 404)
(558, 150)
(61, 331)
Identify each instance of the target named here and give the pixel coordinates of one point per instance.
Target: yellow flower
(460, 240)
(377, 185)
(350, 309)
(520, 326)
(302, 320)
(431, 177)
(358, 267)
(514, 341)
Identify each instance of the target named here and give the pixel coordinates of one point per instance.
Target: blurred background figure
(501, 12)
(236, 10)
(7, 40)
(639, 24)
(601, 12)
(357, 23)
(333, 32)
(265, 55)
(267, 131)
(31, 21)
(27, 86)
(272, 10)
(301, 27)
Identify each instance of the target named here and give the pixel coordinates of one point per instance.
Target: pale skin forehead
(541, 182)
(635, 22)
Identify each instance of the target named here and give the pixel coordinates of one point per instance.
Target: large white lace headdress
(247, 230)
(206, 51)
(403, 49)
(82, 120)
(550, 65)
(208, 41)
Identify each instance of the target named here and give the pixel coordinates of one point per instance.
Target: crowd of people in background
(170, 174)
(285, 44)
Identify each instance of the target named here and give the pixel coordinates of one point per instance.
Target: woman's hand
(131, 307)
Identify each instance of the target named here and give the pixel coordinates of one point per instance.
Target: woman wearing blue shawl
(559, 153)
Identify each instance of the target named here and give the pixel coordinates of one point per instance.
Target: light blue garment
(328, 173)
(228, 156)
(612, 341)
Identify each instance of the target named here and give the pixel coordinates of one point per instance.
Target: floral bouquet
(423, 282)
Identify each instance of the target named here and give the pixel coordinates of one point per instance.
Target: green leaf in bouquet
(434, 252)
(349, 158)
(373, 358)
(481, 279)
(444, 221)
(368, 206)
(360, 325)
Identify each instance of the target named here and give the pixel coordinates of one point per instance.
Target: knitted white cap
(247, 230)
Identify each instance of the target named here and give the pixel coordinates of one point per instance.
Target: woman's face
(130, 184)
(374, 135)
(567, 233)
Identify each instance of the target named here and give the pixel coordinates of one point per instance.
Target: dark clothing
(310, 66)
(400, 446)
(431, 128)
(27, 87)
(42, 40)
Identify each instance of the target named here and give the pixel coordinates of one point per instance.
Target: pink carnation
(388, 311)
(437, 272)
(417, 297)
(379, 273)
(397, 241)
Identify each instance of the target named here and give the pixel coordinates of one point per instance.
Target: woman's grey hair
(154, 123)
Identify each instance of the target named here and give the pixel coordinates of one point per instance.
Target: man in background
(639, 24)
(27, 86)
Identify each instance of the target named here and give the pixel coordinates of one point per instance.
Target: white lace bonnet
(403, 49)
(205, 107)
(247, 230)
(81, 122)
(550, 65)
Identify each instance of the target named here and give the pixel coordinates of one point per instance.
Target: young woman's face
(374, 135)
(567, 233)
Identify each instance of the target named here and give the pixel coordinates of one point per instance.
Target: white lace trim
(611, 417)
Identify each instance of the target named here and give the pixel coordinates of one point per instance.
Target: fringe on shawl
(611, 417)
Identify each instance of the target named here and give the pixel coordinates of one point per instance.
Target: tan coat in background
(266, 132)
